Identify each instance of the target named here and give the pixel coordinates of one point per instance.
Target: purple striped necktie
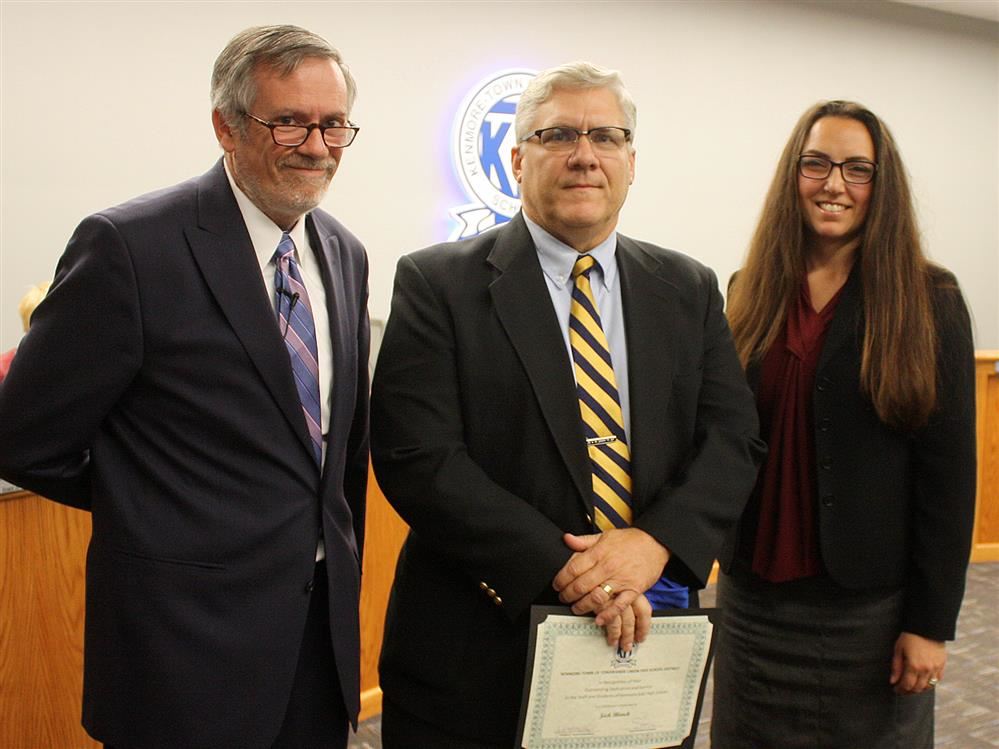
(299, 332)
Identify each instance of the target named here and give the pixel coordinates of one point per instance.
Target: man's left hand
(632, 627)
(627, 561)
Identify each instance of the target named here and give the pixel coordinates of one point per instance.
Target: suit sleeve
(423, 465)
(944, 478)
(83, 349)
(691, 514)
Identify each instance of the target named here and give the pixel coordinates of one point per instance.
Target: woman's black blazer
(896, 509)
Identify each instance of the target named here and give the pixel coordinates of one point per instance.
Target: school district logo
(482, 139)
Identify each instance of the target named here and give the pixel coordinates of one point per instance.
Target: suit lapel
(844, 326)
(223, 251)
(523, 305)
(649, 303)
(327, 247)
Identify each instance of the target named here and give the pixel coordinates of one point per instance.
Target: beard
(291, 195)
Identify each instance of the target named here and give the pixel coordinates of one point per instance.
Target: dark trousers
(315, 717)
(400, 730)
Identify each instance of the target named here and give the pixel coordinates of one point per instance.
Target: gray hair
(281, 48)
(572, 75)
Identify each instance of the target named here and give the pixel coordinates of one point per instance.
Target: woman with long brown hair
(845, 576)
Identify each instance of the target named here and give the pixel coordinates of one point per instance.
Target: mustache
(304, 162)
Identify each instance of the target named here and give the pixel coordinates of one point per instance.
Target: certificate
(581, 694)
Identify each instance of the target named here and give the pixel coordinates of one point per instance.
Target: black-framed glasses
(292, 136)
(854, 171)
(565, 138)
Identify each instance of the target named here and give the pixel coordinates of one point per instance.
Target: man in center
(559, 414)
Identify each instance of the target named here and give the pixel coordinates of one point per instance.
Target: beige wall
(103, 101)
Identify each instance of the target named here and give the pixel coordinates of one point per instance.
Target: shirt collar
(264, 233)
(557, 258)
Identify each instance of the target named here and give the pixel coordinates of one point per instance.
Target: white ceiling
(984, 9)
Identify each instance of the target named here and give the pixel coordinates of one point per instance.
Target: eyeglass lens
(296, 135)
(818, 167)
(564, 138)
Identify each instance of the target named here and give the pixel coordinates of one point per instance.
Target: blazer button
(827, 500)
(823, 384)
(826, 463)
(309, 586)
(824, 424)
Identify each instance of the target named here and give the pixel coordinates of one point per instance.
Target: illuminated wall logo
(482, 138)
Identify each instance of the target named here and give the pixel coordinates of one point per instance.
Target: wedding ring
(607, 588)
(933, 681)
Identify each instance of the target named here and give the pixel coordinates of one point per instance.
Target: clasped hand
(628, 561)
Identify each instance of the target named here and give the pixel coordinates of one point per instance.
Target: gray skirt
(806, 664)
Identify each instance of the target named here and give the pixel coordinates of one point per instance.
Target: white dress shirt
(265, 236)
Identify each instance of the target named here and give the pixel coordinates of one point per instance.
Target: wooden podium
(43, 548)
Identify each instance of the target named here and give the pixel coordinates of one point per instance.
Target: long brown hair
(898, 362)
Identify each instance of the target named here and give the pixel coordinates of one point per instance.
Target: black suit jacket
(895, 509)
(477, 442)
(154, 389)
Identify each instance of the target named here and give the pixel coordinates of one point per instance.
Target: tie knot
(583, 266)
(285, 248)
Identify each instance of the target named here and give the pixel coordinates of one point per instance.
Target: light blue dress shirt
(557, 259)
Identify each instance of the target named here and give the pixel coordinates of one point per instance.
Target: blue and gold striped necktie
(599, 405)
(603, 424)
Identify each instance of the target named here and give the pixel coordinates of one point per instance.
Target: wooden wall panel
(42, 556)
(384, 533)
(985, 546)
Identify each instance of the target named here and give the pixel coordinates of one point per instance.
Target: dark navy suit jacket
(155, 390)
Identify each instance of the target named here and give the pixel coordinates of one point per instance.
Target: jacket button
(823, 384)
(483, 586)
(498, 601)
(824, 424)
(826, 463)
(491, 593)
(309, 586)
(827, 500)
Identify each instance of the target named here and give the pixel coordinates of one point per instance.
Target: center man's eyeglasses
(565, 138)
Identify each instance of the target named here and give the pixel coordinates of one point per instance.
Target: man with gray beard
(197, 379)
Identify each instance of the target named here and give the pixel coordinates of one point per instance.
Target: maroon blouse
(787, 537)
